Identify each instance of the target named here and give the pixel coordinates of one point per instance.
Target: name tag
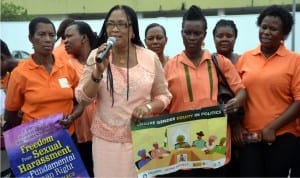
(63, 82)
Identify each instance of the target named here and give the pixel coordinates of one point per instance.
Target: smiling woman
(128, 86)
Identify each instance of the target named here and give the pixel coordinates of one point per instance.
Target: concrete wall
(15, 34)
(58, 7)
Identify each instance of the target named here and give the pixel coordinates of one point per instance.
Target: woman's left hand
(139, 113)
(268, 135)
(232, 106)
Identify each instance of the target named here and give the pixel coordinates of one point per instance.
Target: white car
(19, 54)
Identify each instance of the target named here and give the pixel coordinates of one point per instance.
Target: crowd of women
(132, 83)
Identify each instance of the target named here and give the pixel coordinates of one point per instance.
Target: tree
(12, 12)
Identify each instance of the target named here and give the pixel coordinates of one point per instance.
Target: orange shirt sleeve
(16, 87)
(229, 71)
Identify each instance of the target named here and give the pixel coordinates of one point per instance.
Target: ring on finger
(235, 109)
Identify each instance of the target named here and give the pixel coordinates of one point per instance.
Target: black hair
(33, 23)
(280, 12)
(85, 29)
(62, 27)
(194, 13)
(131, 15)
(155, 25)
(226, 23)
(4, 49)
(6, 58)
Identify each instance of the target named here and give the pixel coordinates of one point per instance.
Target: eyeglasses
(120, 25)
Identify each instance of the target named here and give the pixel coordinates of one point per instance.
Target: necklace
(122, 61)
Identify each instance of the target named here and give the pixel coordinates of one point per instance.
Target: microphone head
(111, 40)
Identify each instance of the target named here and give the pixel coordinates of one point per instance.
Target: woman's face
(271, 32)
(211, 141)
(224, 39)
(119, 26)
(43, 39)
(73, 40)
(193, 34)
(7, 64)
(199, 137)
(156, 40)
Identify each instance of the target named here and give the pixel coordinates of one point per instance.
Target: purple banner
(42, 148)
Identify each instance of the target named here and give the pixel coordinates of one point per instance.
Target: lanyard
(188, 80)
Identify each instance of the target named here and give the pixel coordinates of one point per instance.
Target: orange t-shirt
(84, 122)
(203, 94)
(60, 51)
(272, 84)
(37, 93)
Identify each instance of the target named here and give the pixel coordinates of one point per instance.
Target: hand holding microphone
(99, 58)
(110, 42)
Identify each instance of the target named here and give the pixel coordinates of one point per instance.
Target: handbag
(225, 93)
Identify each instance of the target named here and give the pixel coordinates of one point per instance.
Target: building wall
(66, 7)
(15, 34)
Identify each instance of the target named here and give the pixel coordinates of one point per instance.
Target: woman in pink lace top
(128, 85)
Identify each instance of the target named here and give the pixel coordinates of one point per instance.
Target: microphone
(110, 42)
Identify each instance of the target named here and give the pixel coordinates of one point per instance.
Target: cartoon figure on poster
(199, 143)
(158, 152)
(180, 136)
(144, 159)
(178, 141)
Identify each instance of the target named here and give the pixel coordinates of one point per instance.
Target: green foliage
(12, 12)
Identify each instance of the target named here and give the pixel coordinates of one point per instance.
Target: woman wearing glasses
(127, 85)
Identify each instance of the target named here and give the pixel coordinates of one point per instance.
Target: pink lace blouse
(146, 82)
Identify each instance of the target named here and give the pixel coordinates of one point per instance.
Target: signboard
(185, 140)
(42, 148)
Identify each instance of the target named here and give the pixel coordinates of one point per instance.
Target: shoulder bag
(225, 93)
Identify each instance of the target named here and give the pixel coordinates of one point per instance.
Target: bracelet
(149, 107)
(96, 80)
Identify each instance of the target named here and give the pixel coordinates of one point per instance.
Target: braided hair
(194, 13)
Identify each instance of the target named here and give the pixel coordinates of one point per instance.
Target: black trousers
(233, 165)
(85, 151)
(295, 170)
(263, 160)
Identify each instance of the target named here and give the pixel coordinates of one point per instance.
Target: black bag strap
(219, 72)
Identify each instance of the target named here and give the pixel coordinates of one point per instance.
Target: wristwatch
(96, 80)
